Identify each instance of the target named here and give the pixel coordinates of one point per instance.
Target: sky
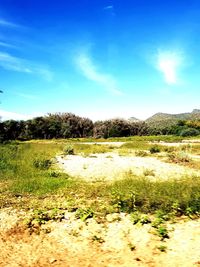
(99, 59)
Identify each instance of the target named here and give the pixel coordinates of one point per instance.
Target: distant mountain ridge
(162, 119)
(133, 119)
(195, 114)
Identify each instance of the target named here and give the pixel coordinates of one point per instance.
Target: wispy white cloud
(27, 96)
(12, 63)
(89, 70)
(44, 72)
(4, 44)
(9, 115)
(169, 63)
(108, 7)
(9, 62)
(6, 23)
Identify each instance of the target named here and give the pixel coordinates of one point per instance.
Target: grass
(26, 167)
(86, 149)
(29, 179)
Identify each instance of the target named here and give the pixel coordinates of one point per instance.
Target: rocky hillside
(161, 119)
(195, 114)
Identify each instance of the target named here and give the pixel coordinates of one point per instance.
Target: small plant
(180, 157)
(84, 214)
(54, 174)
(162, 248)
(131, 246)
(85, 166)
(136, 217)
(157, 222)
(98, 239)
(40, 217)
(141, 153)
(162, 232)
(170, 149)
(176, 210)
(124, 201)
(149, 172)
(154, 149)
(42, 164)
(160, 214)
(145, 220)
(68, 150)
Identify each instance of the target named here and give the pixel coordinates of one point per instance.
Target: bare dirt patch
(110, 166)
(117, 242)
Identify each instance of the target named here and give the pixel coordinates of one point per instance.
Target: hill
(165, 119)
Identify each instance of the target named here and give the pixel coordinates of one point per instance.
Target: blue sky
(99, 58)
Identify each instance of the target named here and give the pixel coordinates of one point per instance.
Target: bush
(180, 157)
(154, 149)
(69, 150)
(42, 164)
(141, 153)
(189, 132)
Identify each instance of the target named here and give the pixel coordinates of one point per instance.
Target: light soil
(111, 166)
(116, 242)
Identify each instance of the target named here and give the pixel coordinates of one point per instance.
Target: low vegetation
(29, 177)
(68, 125)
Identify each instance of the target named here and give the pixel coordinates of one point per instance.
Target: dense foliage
(68, 125)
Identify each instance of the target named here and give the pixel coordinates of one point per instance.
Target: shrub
(42, 164)
(162, 232)
(189, 132)
(84, 214)
(54, 174)
(149, 172)
(141, 153)
(180, 157)
(154, 149)
(69, 150)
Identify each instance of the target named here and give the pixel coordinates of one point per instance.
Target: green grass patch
(28, 170)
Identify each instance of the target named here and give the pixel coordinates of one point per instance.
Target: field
(117, 202)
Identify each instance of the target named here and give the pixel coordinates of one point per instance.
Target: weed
(160, 214)
(35, 185)
(154, 149)
(137, 217)
(180, 157)
(68, 150)
(40, 217)
(84, 214)
(85, 166)
(148, 172)
(157, 222)
(124, 202)
(98, 239)
(170, 149)
(131, 246)
(162, 232)
(54, 174)
(141, 153)
(145, 219)
(162, 248)
(42, 164)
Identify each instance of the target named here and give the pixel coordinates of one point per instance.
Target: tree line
(68, 125)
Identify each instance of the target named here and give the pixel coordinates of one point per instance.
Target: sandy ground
(114, 243)
(117, 242)
(109, 166)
